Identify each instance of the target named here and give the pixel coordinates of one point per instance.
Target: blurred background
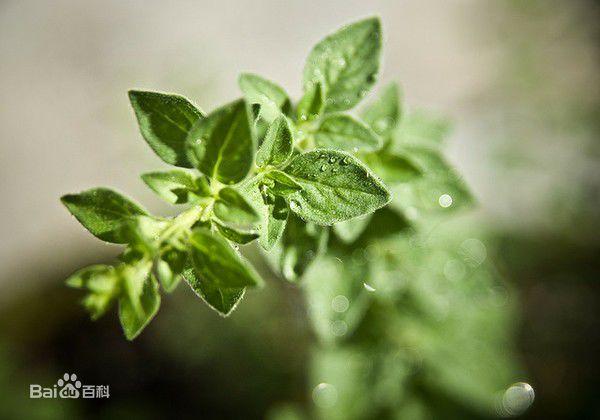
(518, 81)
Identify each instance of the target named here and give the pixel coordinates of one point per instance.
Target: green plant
(353, 205)
(308, 173)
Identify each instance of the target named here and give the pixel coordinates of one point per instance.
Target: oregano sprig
(258, 168)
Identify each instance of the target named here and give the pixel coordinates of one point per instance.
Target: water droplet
(340, 303)
(323, 168)
(339, 328)
(322, 155)
(445, 200)
(355, 149)
(198, 141)
(454, 270)
(341, 62)
(332, 159)
(303, 117)
(516, 399)
(473, 251)
(345, 161)
(368, 287)
(236, 247)
(295, 205)
(324, 395)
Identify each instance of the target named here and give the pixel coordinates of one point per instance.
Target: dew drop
(324, 395)
(295, 205)
(445, 200)
(323, 168)
(345, 161)
(339, 328)
(516, 399)
(368, 287)
(474, 251)
(340, 303)
(332, 159)
(454, 270)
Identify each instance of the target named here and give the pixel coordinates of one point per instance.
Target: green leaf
(236, 235)
(440, 190)
(347, 61)
(277, 147)
(165, 121)
(139, 300)
(312, 102)
(272, 98)
(383, 115)
(392, 168)
(344, 132)
(102, 211)
(336, 306)
(222, 146)
(420, 129)
(177, 186)
(274, 222)
(169, 267)
(350, 230)
(102, 285)
(335, 187)
(232, 208)
(300, 244)
(217, 263)
(222, 300)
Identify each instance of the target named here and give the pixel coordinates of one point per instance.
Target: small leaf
(222, 146)
(102, 211)
(222, 300)
(312, 103)
(277, 147)
(343, 132)
(169, 267)
(101, 282)
(177, 186)
(236, 235)
(165, 121)
(217, 263)
(350, 230)
(139, 300)
(383, 115)
(342, 299)
(272, 98)
(232, 208)
(392, 168)
(347, 61)
(274, 222)
(335, 187)
(300, 244)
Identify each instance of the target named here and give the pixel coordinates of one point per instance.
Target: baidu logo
(69, 387)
